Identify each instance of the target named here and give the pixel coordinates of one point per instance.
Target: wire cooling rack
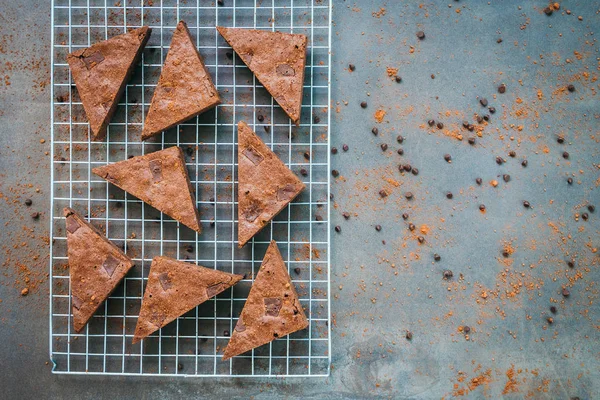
(193, 345)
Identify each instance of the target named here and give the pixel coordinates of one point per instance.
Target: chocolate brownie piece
(184, 88)
(272, 309)
(101, 72)
(96, 267)
(265, 184)
(174, 288)
(159, 179)
(278, 61)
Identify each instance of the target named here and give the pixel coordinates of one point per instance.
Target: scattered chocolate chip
(189, 150)
(35, 215)
(345, 147)
(506, 177)
(591, 208)
(220, 2)
(267, 128)
(179, 366)
(466, 329)
(499, 40)
(28, 202)
(375, 131)
(384, 146)
(399, 139)
(407, 167)
(431, 122)
(571, 88)
(565, 155)
(401, 151)
(415, 171)
(447, 274)
(408, 195)
(486, 117)
(411, 226)
(260, 118)
(405, 216)
(492, 110)
(447, 157)
(560, 139)
(421, 239)
(449, 195)
(351, 67)
(512, 153)
(318, 218)
(226, 333)
(338, 228)
(524, 163)
(437, 257)
(499, 160)
(565, 292)
(334, 150)
(502, 88)
(479, 119)
(478, 181)
(584, 216)
(409, 335)
(420, 35)
(189, 248)
(483, 102)
(482, 207)
(548, 11)
(346, 215)
(378, 228)
(571, 264)
(432, 76)
(383, 193)
(228, 54)
(553, 309)
(307, 155)
(505, 253)
(526, 204)
(471, 127)
(440, 125)
(471, 141)
(398, 79)
(363, 104)
(316, 119)
(297, 270)
(335, 173)
(465, 124)
(304, 172)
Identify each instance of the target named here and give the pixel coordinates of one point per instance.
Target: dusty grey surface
(381, 290)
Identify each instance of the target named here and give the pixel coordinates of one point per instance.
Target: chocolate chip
(267, 128)
(524, 163)
(408, 195)
(189, 248)
(478, 181)
(226, 333)
(346, 215)
(398, 79)
(338, 228)
(505, 253)
(471, 141)
(28, 202)
(431, 122)
(35, 215)
(449, 195)
(483, 102)
(421, 239)
(512, 154)
(405, 216)
(307, 155)
(440, 125)
(316, 119)
(492, 110)
(384, 146)
(335, 173)
(553, 309)
(571, 88)
(260, 118)
(548, 11)
(479, 119)
(447, 157)
(565, 292)
(401, 151)
(466, 329)
(411, 226)
(189, 150)
(334, 150)
(382, 193)
(499, 40)
(297, 270)
(560, 139)
(486, 117)
(228, 54)
(437, 257)
(585, 216)
(465, 124)
(571, 264)
(220, 2)
(304, 172)
(378, 228)
(502, 88)
(375, 131)
(526, 204)
(420, 35)
(351, 67)
(471, 127)
(482, 207)
(399, 139)
(415, 171)
(408, 335)
(565, 155)
(506, 177)
(591, 208)
(363, 104)
(318, 218)
(447, 274)
(345, 147)
(179, 366)
(499, 160)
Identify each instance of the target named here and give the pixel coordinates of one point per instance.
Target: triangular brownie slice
(174, 288)
(265, 184)
(277, 59)
(272, 309)
(184, 88)
(96, 266)
(101, 72)
(159, 179)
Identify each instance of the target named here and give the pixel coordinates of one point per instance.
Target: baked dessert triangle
(101, 72)
(96, 267)
(277, 60)
(184, 88)
(272, 309)
(265, 184)
(159, 179)
(174, 288)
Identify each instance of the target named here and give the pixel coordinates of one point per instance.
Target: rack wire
(193, 345)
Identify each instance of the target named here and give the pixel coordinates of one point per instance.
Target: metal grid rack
(191, 346)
